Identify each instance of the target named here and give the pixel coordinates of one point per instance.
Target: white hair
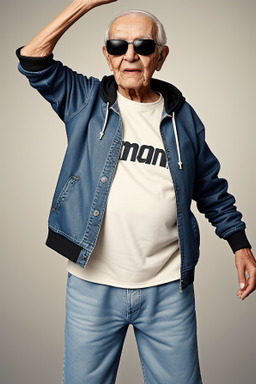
(160, 34)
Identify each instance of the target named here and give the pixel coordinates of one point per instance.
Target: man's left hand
(245, 262)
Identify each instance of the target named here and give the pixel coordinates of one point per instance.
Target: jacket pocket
(64, 193)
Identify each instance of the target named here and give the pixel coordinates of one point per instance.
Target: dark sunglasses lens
(144, 47)
(116, 47)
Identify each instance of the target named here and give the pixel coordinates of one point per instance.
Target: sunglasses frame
(109, 50)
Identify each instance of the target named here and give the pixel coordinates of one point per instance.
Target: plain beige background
(212, 60)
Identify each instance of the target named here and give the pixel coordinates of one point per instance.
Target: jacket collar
(173, 99)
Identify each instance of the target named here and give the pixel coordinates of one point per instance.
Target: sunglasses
(143, 47)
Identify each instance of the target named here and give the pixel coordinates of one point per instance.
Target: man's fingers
(250, 285)
(250, 288)
(241, 275)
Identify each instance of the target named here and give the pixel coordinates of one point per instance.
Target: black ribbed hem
(34, 64)
(63, 246)
(187, 278)
(238, 240)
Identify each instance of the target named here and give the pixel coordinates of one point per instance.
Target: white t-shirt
(138, 242)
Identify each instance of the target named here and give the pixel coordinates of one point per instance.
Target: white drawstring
(105, 123)
(177, 140)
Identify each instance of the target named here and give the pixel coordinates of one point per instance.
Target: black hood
(173, 99)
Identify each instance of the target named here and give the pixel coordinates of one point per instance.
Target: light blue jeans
(97, 319)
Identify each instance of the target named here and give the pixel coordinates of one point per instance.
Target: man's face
(131, 70)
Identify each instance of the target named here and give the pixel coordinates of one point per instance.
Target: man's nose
(130, 54)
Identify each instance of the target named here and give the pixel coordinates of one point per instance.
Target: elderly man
(136, 157)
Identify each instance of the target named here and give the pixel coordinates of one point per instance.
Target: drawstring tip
(180, 164)
(105, 123)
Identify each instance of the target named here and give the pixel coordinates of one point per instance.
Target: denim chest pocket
(66, 190)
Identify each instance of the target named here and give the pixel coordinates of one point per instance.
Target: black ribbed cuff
(34, 64)
(238, 240)
(63, 246)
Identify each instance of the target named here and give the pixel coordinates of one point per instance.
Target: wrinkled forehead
(133, 26)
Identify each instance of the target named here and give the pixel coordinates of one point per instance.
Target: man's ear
(163, 54)
(106, 54)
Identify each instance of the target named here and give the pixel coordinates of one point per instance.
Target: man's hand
(100, 2)
(245, 262)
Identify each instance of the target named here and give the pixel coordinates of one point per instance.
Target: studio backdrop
(212, 60)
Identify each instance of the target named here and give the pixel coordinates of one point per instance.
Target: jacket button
(104, 179)
(96, 213)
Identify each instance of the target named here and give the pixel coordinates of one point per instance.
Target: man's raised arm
(44, 42)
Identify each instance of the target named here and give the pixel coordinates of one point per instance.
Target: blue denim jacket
(90, 112)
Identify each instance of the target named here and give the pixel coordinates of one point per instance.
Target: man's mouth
(132, 71)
